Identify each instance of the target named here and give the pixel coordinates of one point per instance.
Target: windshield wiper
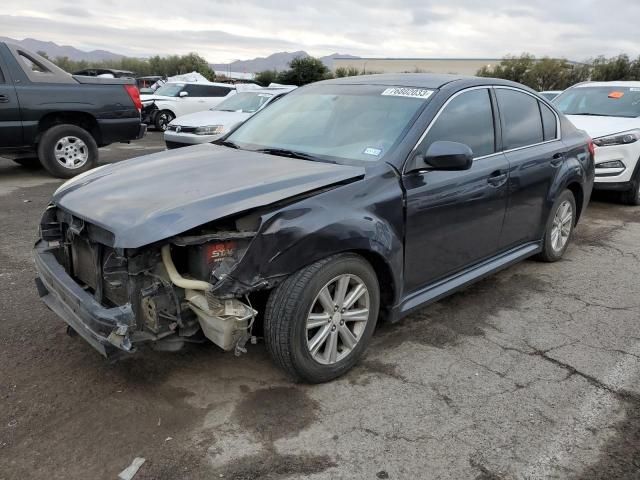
(590, 114)
(227, 143)
(283, 152)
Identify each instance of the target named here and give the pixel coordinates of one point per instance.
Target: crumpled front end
(117, 298)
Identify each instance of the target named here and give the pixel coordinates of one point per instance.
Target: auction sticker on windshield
(408, 92)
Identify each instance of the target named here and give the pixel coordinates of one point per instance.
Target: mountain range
(277, 61)
(54, 50)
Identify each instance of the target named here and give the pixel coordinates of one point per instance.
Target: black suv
(58, 119)
(344, 201)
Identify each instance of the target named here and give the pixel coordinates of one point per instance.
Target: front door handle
(557, 159)
(497, 178)
(4, 99)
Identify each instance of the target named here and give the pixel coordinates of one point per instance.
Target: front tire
(162, 120)
(67, 150)
(320, 320)
(559, 229)
(632, 196)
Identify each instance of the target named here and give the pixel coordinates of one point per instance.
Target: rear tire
(162, 120)
(559, 229)
(67, 150)
(295, 306)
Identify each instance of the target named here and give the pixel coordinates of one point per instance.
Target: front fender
(366, 217)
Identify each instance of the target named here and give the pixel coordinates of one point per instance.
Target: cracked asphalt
(531, 374)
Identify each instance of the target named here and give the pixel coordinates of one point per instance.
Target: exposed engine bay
(172, 289)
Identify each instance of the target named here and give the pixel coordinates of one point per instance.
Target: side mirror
(448, 156)
(183, 94)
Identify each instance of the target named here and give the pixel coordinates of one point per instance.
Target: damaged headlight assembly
(209, 259)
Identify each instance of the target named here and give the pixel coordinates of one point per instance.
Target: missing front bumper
(105, 329)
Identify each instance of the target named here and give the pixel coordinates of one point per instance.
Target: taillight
(134, 94)
(592, 148)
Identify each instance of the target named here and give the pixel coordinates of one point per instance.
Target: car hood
(148, 99)
(211, 117)
(598, 127)
(150, 198)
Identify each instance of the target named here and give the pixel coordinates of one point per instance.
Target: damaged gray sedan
(344, 201)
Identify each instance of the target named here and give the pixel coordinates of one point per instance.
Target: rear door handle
(557, 159)
(4, 99)
(497, 178)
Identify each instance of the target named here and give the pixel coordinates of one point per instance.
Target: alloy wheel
(562, 225)
(337, 319)
(163, 121)
(71, 152)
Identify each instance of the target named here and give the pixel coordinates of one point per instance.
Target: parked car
(174, 99)
(345, 200)
(210, 125)
(550, 94)
(610, 113)
(60, 120)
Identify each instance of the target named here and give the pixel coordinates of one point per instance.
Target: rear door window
(520, 117)
(207, 90)
(468, 119)
(217, 91)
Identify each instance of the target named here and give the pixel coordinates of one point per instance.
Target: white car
(610, 113)
(175, 99)
(210, 125)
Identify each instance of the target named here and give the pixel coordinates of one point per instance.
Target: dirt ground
(531, 374)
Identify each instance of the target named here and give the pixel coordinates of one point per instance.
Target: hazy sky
(222, 31)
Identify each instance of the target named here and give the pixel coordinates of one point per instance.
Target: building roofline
(416, 58)
(446, 59)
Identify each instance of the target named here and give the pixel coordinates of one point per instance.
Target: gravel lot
(531, 374)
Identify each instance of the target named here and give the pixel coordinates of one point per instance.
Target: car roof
(208, 84)
(419, 80)
(621, 83)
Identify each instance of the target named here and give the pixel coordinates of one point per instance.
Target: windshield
(247, 102)
(335, 122)
(600, 101)
(170, 89)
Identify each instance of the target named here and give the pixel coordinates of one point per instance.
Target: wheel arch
(578, 194)
(280, 255)
(80, 119)
(386, 281)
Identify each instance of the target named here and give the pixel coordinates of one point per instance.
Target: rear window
(32, 64)
(521, 119)
(609, 101)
